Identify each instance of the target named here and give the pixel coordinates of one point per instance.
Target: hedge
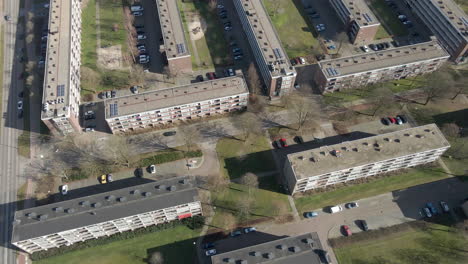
(168, 157)
(194, 222)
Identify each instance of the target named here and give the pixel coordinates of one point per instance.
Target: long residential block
(175, 45)
(368, 68)
(275, 67)
(329, 165)
(61, 91)
(156, 108)
(448, 22)
(302, 249)
(76, 220)
(360, 22)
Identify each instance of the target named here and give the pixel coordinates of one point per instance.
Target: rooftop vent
(355, 149)
(171, 188)
(43, 217)
(84, 203)
(58, 209)
(184, 181)
(281, 246)
(269, 255)
(30, 215)
(228, 260)
(308, 240)
(160, 187)
(147, 194)
(96, 205)
(419, 136)
(122, 199)
(135, 192)
(336, 153)
(295, 249)
(300, 157)
(110, 198)
(242, 261)
(397, 140)
(70, 210)
(255, 254)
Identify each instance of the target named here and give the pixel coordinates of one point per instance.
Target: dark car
(139, 27)
(403, 118)
(139, 172)
(236, 233)
(208, 245)
(277, 144)
(283, 142)
(199, 78)
(373, 47)
(299, 139)
(325, 257)
(431, 206)
(386, 45)
(380, 46)
(385, 121)
(21, 94)
(169, 133)
(211, 75)
(363, 224)
(113, 93)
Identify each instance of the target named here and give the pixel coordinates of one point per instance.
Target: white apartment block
(167, 106)
(351, 160)
(61, 92)
(275, 67)
(385, 65)
(76, 220)
(448, 22)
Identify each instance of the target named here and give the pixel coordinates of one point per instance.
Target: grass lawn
(21, 195)
(238, 157)
(226, 201)
(378, 186)
(387, 16)
(88, 38)
(1, 65)
(212, 49)
(293, 30)
(381, 33)
(175, 244)
(439, 244)
(113, 31)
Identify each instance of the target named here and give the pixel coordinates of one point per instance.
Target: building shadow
(458, 117)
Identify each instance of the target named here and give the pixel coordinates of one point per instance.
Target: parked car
(346, 230)
(373, 47)
(325, 257)
(408, 24)
(302, 60)
(236, 233)
(143, 59)
(427, 212)
(137, 13)
(320, 27)
(134, 89)
(386, 45)
(336, 209)
(310, 214)
(211, 75)
(141, 37)
(238, 57)
(210, 252)
(64, 189)
(249, 230)
(89, 129)
(392, 120)
(103, 179)
(199, 78)
(398, 120)
(352, 205)
(113, 93)
(109, 178)
(7, 18)
(21, 94)
(385, 121)
(277, 144)
(20, 105)
(283, 142)
(169, 133)
(139, 27)
(444, 206)
(403, 118)
(139, 172)
(208, 245)
(227, 28)
(432, 208)
(152, 169)
(299, 139)
(363, 224)
(135, 8)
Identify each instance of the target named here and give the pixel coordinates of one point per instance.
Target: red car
(283, 142)
(211, 75)
(347, 231)
(393, 120)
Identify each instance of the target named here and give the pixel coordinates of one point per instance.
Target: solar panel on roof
(367, 17)
(332, 71)
(61, 90)
(113, 109)
(180, 48)
(277, 53)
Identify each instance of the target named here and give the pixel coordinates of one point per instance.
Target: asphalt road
(10, 128)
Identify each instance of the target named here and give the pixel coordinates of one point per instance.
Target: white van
(135, 8)
(336, 209)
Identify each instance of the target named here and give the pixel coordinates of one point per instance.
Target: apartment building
(372, 67)
(175, 45)
(302, 249)
(360, 22)
(61, 92)
(448, 22)
(80, 219)
(351, 160)
(276, 70)
(156, 108)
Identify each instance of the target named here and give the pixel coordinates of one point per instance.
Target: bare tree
(190, 134)
(216, 183)
(118, 150)
(275, 6)
(279, 207)
(137, 74)
(380, 98)
(257, 103)
(451, 130)
(244, 205)
(248, 123)
(302, 108)
(90, 78)
(437, 83)
(341, 38)
(230, 221)
(251, 180)
(253, 79)
(156, 258)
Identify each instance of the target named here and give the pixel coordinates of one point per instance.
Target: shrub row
(194, 222)
(168, 157)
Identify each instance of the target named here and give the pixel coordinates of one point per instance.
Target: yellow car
(103, 179)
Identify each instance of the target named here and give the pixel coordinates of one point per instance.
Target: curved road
(10, 128)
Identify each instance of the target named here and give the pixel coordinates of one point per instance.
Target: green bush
(193, 154)
(168, 157)
(192, 223)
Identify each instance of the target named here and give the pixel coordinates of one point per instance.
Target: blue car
(432, 208)
(310, 214)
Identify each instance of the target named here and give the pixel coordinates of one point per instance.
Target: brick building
(448, 22)
(273, 63)
(175, 45)
(80, 219)
(360, 22)
(350, 160)
(368, 68)
(192, 101)
(61, 91)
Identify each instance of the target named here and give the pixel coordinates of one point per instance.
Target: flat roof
(454, 14)
(267, 39)
(98, 208)
(56, 92)
(372, 149)
(374, 60)
(172, 29)
(302, 249)
(190, 93)
(359, 11)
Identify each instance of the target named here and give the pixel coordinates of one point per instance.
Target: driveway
(379, 211)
